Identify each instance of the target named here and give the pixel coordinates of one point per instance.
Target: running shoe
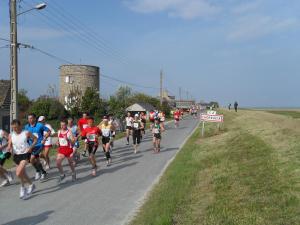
(30, 189)
(22, 192)
(37, 176)
(43, 177)
(4, 183)
(9, 176)
(73, 177)
(61, 178)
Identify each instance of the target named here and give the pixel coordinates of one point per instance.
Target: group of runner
(31, 143)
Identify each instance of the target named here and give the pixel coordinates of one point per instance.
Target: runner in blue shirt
(37, 129)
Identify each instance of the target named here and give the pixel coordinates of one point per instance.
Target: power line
(72, 28)
(64, 13)
(129, 83)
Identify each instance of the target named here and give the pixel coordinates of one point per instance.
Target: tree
(92, 103)
(73, 104)
(23, 101)
(49, 107)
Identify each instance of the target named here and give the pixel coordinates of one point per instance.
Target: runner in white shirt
(128, 121)
(18, 145)
(4, 155)
(48, 142)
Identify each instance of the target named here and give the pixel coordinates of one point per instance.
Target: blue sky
(216, 50)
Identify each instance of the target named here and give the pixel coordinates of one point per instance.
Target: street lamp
(14, 55)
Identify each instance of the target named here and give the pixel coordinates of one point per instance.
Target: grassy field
(246, 173)
(291, 113)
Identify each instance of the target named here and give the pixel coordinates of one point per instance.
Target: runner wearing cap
(48, 143)
(136, 134)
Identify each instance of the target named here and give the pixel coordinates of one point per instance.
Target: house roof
(140, 107)
(4, 93)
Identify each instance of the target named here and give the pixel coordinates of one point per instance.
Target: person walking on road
(137, 132)
(18, 144)
(65, 142)
(229, 106)
(4, 155)
(236, 106)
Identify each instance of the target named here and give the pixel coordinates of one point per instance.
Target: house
(140, 107)
(4, 104)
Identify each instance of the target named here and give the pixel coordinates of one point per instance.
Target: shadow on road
(31, 220)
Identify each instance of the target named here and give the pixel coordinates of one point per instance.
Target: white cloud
(186, 9)
(246, 7)
(255, 26)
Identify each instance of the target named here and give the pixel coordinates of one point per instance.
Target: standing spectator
(236, 106)
(229, 106)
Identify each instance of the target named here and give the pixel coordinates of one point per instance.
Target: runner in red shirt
(65, 150)
(91, 134)
(177, 115)
(82, 124)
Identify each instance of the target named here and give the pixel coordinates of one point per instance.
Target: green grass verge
(293, 114)
(231, 177)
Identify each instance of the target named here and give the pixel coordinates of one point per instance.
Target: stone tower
(77, 78)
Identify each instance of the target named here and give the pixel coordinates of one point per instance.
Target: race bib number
(136, 125)
(105, 132)
(84, 126)
(63, 142)
(156, 131)
(91, 137)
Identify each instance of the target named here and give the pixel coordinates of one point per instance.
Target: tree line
(90, 101)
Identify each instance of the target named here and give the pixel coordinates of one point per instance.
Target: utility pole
(180, 93)
(13, 60)
(161, 87)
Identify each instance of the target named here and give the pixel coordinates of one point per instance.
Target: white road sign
(212, 118)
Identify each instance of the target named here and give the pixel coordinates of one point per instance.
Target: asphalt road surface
(111, 198)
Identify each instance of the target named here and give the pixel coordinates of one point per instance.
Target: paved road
(108, 199)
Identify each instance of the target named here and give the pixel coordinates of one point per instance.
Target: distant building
(184, 104)
(77, 78)
(5, 104)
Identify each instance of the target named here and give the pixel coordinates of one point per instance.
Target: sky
(225, 51)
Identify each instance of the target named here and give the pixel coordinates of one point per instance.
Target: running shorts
(136, 137)
(157, 136)
(92, 148)
(18, 158)
(67, 152)
(105, 140)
